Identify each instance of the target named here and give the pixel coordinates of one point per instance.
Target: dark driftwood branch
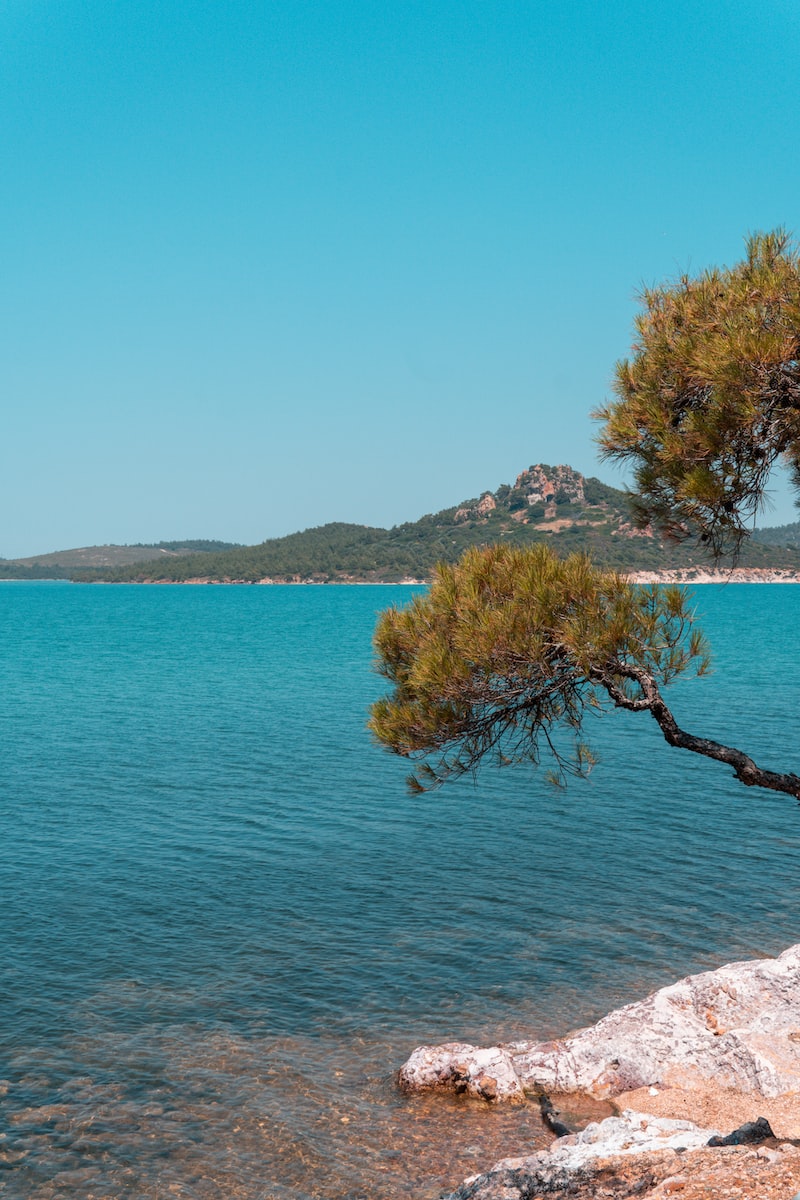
(650, 698)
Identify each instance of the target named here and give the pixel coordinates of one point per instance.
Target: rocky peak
(543, 485)
(539, 486)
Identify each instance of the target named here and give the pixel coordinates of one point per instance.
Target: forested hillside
(780, 535)
(553, 504)
(115, 556)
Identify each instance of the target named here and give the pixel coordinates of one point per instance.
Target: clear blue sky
(266, 265)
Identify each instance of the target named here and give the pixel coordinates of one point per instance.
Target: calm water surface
(225, 924)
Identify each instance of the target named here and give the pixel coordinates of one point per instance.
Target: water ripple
(225, 924)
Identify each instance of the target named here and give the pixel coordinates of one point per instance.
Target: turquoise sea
(225, 924)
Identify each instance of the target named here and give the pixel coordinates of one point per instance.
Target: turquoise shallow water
(225, 924)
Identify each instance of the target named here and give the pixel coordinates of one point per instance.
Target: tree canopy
(710, 399)
(509, 650)
(512, 647)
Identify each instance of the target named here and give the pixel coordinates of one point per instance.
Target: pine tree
(710, 400)
(510, 648)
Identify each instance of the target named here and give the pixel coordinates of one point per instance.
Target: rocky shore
(637, 1155)
(692, 575)
(691, 1062)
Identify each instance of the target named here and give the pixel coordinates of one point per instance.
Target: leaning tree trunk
(744, 768)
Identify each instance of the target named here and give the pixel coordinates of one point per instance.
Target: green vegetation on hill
(62, 564)
(110, 556)
(552, 505)
(779, 535)
(555, 505)
(203, 544)
(14, 570)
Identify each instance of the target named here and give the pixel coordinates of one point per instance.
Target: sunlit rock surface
(574, 1160)
(458, 1067)
(638, 1155)
(737, 1028)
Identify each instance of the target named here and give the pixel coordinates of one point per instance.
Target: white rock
(572, 1159)
(630, 1133)
(737, 1027)
(459, 1067)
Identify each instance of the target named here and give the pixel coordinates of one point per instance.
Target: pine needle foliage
(709, 402)
(510, 649)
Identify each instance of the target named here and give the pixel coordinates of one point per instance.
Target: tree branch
(744, 768)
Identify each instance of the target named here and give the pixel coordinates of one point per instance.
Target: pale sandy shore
(696, 575)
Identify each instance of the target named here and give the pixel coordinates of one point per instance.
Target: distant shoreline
(281, 582)
(208, 581)
(693, 576)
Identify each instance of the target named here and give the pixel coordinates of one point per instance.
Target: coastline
(710, 1061)
(683, 575)
(270, 582)
(694, 576)
(700, 575)
(680, 575)
(207, 580)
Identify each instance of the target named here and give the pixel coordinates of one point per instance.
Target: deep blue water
(225, 923)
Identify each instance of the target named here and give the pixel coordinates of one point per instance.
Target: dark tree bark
(650, 699)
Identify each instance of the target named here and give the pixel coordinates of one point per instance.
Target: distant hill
(557, 505)
(115, 556)
(779, 535)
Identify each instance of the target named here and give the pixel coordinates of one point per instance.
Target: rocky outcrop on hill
(736, 1028)
(538, 490)
(542, 484)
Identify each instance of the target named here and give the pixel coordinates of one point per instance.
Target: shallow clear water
(225, 924)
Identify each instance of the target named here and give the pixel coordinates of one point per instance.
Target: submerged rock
(736, 1028)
